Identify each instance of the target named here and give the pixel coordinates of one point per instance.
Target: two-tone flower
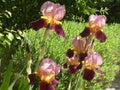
(76, 55)
(92, 63)
(52, 14)
(96, 24)
(46, 72)
(72, 61)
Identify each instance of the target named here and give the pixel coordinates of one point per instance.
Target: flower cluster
(81, 55)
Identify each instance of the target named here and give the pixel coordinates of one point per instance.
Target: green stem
(29, 60)
(28, 55)
(43, 49)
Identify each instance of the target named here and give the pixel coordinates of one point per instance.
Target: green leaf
(10, 36)
(24, 84)
(7, 76)
(13, 83)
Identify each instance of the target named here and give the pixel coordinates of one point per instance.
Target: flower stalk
(29, 60)
(43, 48)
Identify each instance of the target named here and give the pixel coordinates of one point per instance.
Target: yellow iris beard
(51, 20)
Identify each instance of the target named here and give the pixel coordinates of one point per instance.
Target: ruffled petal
(59, 12)
(97, 21)
(78, 44)
(58, 29)
(48, 8)
(86, 32)
(88, 74)
(36, 25)
(101, 36)
(69, 53)
(94, 59)
(46, 86)
(32, 78)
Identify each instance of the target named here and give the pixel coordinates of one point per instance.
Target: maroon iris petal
(58, 29)
(69, 53)
(36, 25)
(46, 86)
(32, 78)
(88, 74)
(55, 81)
(86, 32)
(82, 56)
(73, 69)
(79, 66)
(65, 65)
(101, 36)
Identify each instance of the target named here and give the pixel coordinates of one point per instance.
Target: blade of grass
(7, 76)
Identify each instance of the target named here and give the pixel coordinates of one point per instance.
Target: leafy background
(15, 16)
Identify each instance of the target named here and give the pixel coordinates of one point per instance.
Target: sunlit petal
(48, 8)
(97, 21)
(58, 29)
(59, 12)
(78, 44)
(101, 36)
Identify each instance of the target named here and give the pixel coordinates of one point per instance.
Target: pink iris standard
(96, 24)
(92, 62)
(46, 71)
(52, 14)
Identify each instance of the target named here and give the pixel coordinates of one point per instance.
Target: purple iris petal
(36, 25)
(69, 53)
(79, 66)
(32, 78)
(86, 32)
(58, 29)
(99, 71)
(46, 86)
(88, 74)
(101, 36)
(82, 56)
(73, 69)
(65, 65)
(55, 81)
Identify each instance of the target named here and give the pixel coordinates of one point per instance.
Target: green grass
(56, 48)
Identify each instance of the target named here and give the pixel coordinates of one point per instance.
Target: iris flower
(92, 63)
(46, 71)
(52, 14)
(96, 24)
(76, 55)
(72, 61)
(81, 47)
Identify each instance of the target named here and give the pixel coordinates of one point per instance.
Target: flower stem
(28, 55)
(29, 60)
(43, 48)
